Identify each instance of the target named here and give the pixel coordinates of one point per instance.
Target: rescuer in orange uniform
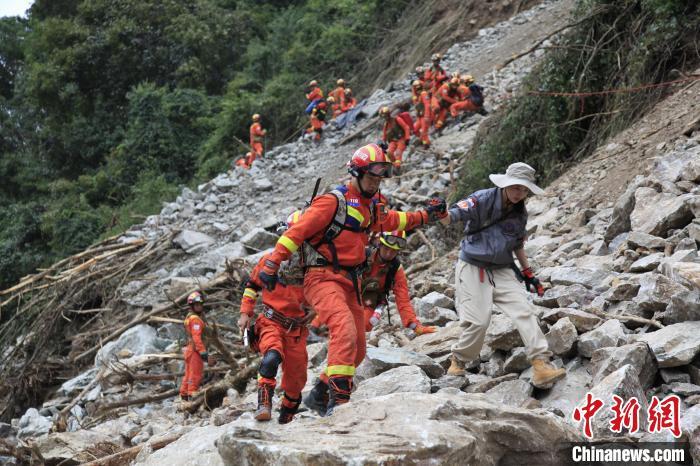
(465, 102)
(257, 135)
(318, 119)
(396, 133)
(338, 95)
(195, 352)
(281, 335)
(424, 115)
(315, 92)
(447, 95)
(350, 101)
(434, 76)
(334, 232)
(386, 274)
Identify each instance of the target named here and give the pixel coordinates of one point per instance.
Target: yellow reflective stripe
(340, 370)
(288, 243)
(250, 293)
(372, 153)
(403, 219)
(295, 217)
(354, 213)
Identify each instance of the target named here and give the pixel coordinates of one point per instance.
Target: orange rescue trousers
(462, 106)
(291, 345)
(194, 368)
(395, 151)
(333, 297)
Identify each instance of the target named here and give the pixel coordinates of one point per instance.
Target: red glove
(268, 274)
(423, 329)
(532, 283)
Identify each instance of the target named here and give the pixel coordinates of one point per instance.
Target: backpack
(310, 255)
(477, 95)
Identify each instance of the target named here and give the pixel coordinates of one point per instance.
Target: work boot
(317, 399)
(289, 408)
(456, 367)
(185, 397)
(339, 390)
(264, 411)
(544, 373)
(482, 111)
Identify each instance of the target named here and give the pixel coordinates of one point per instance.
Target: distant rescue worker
(396, 133)
(318, 119)
(446, 96)
(257, 135)
(280, 333)
(435, 75)
(385, 274)
(350, 101)
(424, 114)
(195, 352)
(486, 276)
(333, 233)
(470, 97)
(314, 96)
(420, 76)
(338, 95)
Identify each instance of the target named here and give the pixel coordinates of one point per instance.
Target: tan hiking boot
(456, 367)
(544, 373)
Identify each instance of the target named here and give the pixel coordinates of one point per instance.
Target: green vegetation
(617, 45)
(108, 107)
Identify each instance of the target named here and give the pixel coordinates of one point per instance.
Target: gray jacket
(489, 237)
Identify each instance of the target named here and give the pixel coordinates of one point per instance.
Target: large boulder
(397, 380)
(138, 340)
(196, 447)
(674, 345)
(590, 278)
(566, 394)
(442, 428)
(656, 213)
(562, 337)
(436, 344)
(583, 321)
(625, 384)
(502, 334)
(611, 333)
(605, 361)
(33, 424)
(384, 359)
(258, 239)
(193, 241)
(655, 291)
(684, 306)
(514, 393)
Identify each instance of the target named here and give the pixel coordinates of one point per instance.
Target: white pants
(475, 302)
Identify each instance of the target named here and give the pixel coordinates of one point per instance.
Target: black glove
(532, 283)
(383, 145)
(268, 275)
(204, 355)
(437, 209)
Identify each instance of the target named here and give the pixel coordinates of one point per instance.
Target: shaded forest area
(108, 107)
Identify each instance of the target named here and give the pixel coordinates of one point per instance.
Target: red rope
(615, 91)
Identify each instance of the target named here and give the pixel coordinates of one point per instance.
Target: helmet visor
(396, 242)
(383, 169)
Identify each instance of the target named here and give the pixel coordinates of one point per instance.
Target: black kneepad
(269, 363)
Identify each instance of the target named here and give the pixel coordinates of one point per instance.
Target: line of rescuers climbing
(336, 263)
(339, 101)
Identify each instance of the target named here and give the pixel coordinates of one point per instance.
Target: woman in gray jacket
(487, 277)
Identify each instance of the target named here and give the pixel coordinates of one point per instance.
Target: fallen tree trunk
(138, 401)
(128, 455)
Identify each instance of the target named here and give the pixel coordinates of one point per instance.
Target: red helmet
(194, 298)
(369, 159)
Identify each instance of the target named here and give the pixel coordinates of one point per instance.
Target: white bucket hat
(517, 173)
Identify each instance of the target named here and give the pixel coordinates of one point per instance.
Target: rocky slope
(615, 240)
